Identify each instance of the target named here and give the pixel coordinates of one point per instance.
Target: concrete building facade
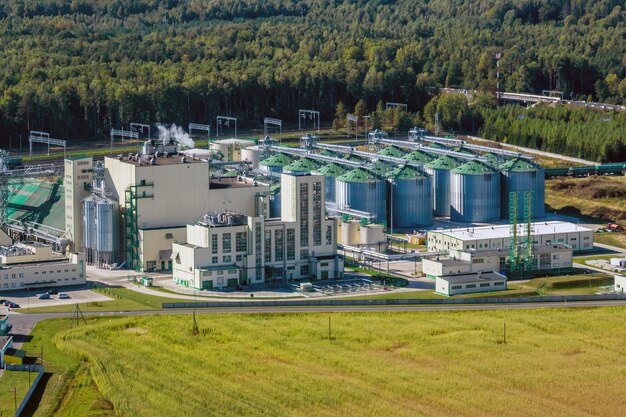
(470, 283)
(78, 179)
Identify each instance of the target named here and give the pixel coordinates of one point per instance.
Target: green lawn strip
(13, 380)
(583, 259)
(202, 296)
(373, 364)
(613, 239)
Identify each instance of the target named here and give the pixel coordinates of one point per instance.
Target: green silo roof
(443, 162)
(278, 159)
(391, 151)
(407, 172)
(327, 152)
(331, 170)
(518, 164)
(473, 167)
(302, 165)
(275, 188)
(380, 167)
(461, 149)
(359, 175)
(419, 156)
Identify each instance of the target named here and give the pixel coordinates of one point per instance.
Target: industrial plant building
(470, 283)
(36, 265)
(577, 237)
(228, 249)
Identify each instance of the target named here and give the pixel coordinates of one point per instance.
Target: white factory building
(552, 257)
(35, 265)
(227, 249)
(470, 283)
(579, 238)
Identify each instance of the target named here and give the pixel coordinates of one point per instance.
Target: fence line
(375, 302)
(33, 386)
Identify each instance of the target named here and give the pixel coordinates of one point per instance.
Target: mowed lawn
(565, 362)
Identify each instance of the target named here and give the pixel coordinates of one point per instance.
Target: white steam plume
(175, 133)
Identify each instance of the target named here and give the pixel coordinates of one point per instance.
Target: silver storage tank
(106, 225)
(275, 163)
(89, 222)
(275, 200)
(361, 189)
(251, 154)
(330, 173)
(521, 176)
(439, 170)
(411, 193)
(474, 193)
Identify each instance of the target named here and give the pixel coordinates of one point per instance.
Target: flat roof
(161, 160)
(473, 277)
(452, 262)
(504, 230)
(231, 182)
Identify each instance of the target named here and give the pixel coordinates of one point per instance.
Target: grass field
(597, 197)
(568, 362)
(613, 239)
(8, 381)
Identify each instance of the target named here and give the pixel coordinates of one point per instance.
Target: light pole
(365, 118)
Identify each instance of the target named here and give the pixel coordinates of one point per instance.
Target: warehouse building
(228, 249)
(554, 257)
(35, 265)
(579, 238)
(620, 284)
(470, 283)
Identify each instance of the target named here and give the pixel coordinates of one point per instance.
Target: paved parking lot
(26, 299)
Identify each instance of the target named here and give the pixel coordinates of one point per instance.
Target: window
(304, 254)
(169, 236)
(227, 259)
(323, 263)
(304, 270)
(456, 287)
(241, 242)
(213, 243)
(304, 215)
(484, 284)
(291, 244)
(498, 284)
(220, 280)
(470, 286)
(226, 247)
(238, 258)
(555, 256)
(220, 272)
(478, 260)
(317, 213)
(279, 246)
(329, 235)
(214, 260)
(268, 246)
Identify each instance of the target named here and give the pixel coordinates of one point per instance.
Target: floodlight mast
(392, 105)
(225, 121)
(44, 137)
(312, 114)
(122, 134)
(140, 127)
(268, 121)
(354, 119)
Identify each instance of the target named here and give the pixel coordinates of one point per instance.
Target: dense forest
(76, 68)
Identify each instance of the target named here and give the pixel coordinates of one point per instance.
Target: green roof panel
(443, 162)
(473, 167)
(391, 151)
(359, 175)
(302, 165)
(406, 172)
(331, 170)
(518, 165)
(277, 159)
(419, 157)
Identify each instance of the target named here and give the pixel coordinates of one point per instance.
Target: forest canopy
(77, 68)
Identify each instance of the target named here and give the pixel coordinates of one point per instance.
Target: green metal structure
(521, 257)
(131, 224)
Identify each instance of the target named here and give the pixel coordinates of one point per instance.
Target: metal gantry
(268, 121)
(351, 118)
(392, 105)
(44, 137)
(122, 134)
(312, 115)
(140, 128)
(199, 126)
(224, 121)
(521, 237)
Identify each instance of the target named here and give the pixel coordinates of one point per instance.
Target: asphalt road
(24, 323)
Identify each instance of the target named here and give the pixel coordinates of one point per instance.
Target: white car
(63, 295)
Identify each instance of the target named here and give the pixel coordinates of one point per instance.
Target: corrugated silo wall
(523, 182)
(440, 179)
(89, 222)
(106, 226)
(412, 202)
(474, 198)
(369, 196)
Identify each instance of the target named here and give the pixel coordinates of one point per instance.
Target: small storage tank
(521, 176)
(301, 166)
(252, 154)
(439, 170)
(275, 200)
(361, 189)
(412, 197)
(350, 232)
(419, 157)
(275, 163)
(330, 173)
(89, 222)
(393, 151)
(474, 193)
(106, 226)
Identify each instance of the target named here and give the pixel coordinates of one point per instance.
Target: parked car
(7, 302)
(53, 291)
(13, 305)
(63, 295)
(3, 300)
(44, 296)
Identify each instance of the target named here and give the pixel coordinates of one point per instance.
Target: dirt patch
(137, 330)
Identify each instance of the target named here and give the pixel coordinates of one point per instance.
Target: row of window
(44, 272)
(14, 284)
(482, 285)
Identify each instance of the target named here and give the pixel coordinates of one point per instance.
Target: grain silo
(275, 163)
(474, 193)
(89, 223)
(522, 176)
(439, 170)
(411, 196)
(363, 190)
(330, 173)
(107, 235)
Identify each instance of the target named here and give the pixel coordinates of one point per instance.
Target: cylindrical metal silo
(89, 222)
(439, 170)
(330, 173)
(411, 194)
(107, 239)
(522, 176)
(252, 154)
(363, 190)
(275, 200)
(275, 163)
(474, 193)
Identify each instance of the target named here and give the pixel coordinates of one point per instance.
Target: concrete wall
(153, 241)
(54, 274)
(450, 288)
(620, 284)
(78, 172)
